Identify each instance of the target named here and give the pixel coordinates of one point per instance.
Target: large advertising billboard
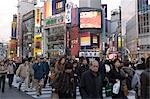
(90, 19)
(58, 6)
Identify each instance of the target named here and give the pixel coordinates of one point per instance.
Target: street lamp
(138, 49)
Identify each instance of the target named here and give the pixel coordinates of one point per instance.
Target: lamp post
(138, 51)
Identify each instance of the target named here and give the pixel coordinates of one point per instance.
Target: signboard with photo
(90, 19)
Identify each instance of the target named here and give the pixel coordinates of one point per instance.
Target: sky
(9, 7)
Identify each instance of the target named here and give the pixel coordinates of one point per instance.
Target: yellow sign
(37, 45)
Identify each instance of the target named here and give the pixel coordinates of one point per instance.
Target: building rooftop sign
(55, 20)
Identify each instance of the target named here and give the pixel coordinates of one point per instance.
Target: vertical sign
(68, 8)
(13, 34)
(37, 17)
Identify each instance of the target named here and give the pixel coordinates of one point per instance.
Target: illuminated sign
(85, 39)
(55, 20)
(58, 6)
(90, 19)
(37, 17)
(14, 31)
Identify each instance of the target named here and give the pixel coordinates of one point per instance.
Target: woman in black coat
(115, 76)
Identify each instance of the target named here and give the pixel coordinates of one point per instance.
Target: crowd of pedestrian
(93, 77)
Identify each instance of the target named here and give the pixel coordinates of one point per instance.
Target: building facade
(28, 33)
(24, 6)
(143, 28)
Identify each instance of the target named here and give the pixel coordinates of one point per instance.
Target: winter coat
(66, 83)
(11, 68)
(145, 84)
(113, 76)
(45, 67)
(81, 70)
(3, 70)
(23, 71)
(91, 85)
(38, 71)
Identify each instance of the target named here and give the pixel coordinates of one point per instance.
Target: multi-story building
(24, 6)
(143, 28)
(115, 29)
(136, 19)
(28, 33)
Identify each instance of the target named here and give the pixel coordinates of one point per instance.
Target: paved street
(13, 93)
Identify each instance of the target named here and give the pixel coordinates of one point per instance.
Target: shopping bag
(108, 90)
(116, 87)
(18, 79)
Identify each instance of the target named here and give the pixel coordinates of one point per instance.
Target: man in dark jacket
(145, 81)
(91, 83)
(46, 70)
(38, 75)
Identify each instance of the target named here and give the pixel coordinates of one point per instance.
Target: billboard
(68, 12)
(58, 6)
(14, 30)
(37, 45)
(37, 17)
(47, 9)
(85, 39)
(90, 19)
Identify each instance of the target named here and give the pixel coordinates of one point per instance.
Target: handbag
(116, 87)
(125, 90)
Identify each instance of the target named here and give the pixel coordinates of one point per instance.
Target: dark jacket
(113, 75)
(38, 71)
(91, 86)
(145, 84)
(81, 70)
(45, 67)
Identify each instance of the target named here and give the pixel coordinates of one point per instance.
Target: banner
(37, 17)
(68, 8)
(14, 30)
(47, 9)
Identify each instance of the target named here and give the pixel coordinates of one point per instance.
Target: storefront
(55, 35)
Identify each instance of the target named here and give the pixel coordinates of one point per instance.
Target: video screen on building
(90, 19)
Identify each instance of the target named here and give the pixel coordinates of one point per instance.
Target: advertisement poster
(85, 39)
(90, 19)
(37, 45)
(13, 34)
